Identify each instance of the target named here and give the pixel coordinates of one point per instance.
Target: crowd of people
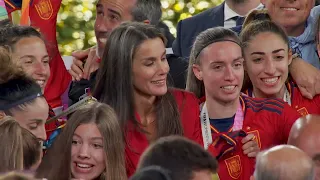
(234, 96)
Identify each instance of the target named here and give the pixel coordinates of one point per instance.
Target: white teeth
(103, 40)
(158, 82)
(83, 165)
(40, 82)
(270, 80)
(290, 9)
(228, 87)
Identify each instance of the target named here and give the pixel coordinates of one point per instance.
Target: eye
(164, 59)
(97, 146)
(238, 65)
(75, 142)
(217, 67)
(99, 12)
(33, 126)
(149, 63)
(257, 60)
(279, 58)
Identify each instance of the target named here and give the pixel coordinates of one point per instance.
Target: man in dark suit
(228, 14)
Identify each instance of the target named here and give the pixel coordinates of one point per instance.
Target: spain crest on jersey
(234, 166)
(44, 9)
(303, 111)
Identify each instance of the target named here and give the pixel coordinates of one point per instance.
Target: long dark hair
(114, 84)
(56, 163)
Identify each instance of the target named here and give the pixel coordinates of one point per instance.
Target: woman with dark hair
(133, 80)
(89, 147)
(267, 66)
(21, 97)
(215, 75)
(28, 51)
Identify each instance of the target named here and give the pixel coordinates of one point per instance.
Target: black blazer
(188, 29)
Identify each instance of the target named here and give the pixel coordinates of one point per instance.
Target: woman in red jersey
(267, 66)
(215, 75)
(133, 80)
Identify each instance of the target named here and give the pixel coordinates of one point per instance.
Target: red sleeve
(43, 16)
(289, 116)
(188, 106)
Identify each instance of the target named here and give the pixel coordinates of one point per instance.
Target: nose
(84, 151)
(269, 67)
(104, 25)
(229, 74)
(40, 68)
(41, 134)
(163, 67)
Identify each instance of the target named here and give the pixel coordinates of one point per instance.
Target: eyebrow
(35, 121)
(153, 58)
(31, 56)
(114, 12)
(221, 62)
(262, 53)
(93, 138)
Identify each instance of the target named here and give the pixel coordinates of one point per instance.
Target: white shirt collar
(229, 13)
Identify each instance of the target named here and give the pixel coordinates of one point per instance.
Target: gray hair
(147, 10)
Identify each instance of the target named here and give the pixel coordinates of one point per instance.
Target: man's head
(305, 134)
(183, 159)
(292, 15)
(111, 13)
(283, 162)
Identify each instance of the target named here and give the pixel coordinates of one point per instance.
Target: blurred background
(76, 20)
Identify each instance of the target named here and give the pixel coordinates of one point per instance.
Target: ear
(290, 56)
(146, 21)
(2, 114)
(197, 71)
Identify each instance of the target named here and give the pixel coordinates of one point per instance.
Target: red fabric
(304, 106)
(189, 114)
(270, 120)
(43, 16)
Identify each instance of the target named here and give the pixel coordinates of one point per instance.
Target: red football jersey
(189, 113)
(303, 105)
(43, 15)
(270, 120)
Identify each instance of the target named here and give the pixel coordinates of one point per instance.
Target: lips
(41, 82)
(103, 40)
(229, 88)
(159, 82)
(83, 167)
(270, 80)
(289, 9)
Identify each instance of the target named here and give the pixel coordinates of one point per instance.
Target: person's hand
(250, 146)
(91, 64)
(306, 76)
(84, 63)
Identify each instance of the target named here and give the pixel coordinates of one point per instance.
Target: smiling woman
(89, 147)
(21, 97)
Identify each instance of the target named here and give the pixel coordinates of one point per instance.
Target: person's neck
(259, 94)
(144, 106)
(295, 31)
(243, 8)
(220, 110)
